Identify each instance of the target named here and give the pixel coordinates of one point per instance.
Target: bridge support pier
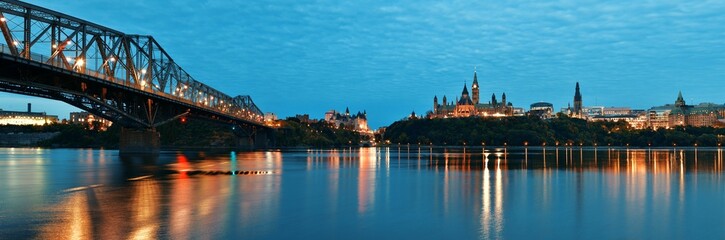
(261, 139)
(134, 141)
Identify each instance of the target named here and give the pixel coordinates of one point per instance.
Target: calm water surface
(364, 193)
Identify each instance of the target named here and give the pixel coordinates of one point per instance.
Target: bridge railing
(133, 61)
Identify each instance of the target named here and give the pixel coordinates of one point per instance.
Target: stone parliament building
(470, 105)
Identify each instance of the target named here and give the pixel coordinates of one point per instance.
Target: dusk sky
(391, 58)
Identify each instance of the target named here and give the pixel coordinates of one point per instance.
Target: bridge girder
(129, 79)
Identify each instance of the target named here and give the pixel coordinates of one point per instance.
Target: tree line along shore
(532, 131)
(511, 131)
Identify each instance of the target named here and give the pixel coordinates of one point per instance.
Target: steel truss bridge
(128, 79)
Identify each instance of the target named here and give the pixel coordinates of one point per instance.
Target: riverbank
(190, 134)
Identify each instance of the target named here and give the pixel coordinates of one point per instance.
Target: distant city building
(681, 114)
(26, 118)
(304, 118)
(592, 111)
(270, 116)
(357, 122)
(519, 112)
(543, 110)
(89, 120)
(613, 111)
(412, 116)
(467, 106)
(270, 119)
(578, 110)
(635, 118)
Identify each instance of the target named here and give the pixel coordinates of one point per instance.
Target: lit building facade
(470, 105)
(26, 118)
(357, 122)
(681, 114)
(543, 110)
(89, 120)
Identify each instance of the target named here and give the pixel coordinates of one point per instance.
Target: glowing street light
(80, 62)
(3, 19)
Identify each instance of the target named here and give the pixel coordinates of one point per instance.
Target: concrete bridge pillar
(260, 139)
(135, 141)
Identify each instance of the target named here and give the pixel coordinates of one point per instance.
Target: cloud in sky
(391, 58)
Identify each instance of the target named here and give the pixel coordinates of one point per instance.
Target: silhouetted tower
(493, 100)
(680, 102)
(445, 101)
(435, 104)
(347, 111)
(474, 88)
(503, 99)
(577, 101)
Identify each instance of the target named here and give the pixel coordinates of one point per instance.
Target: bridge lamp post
(2, 19)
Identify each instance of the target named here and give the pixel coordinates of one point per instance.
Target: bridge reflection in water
(395, 192)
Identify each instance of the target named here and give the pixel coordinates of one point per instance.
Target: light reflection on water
(396, 192)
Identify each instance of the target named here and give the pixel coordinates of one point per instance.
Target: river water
(365, 193)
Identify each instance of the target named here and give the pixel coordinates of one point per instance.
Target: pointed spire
(465, 89)
(347, 111)
(680, 101)
(475, 79)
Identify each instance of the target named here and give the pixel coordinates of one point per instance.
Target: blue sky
(392, 57)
